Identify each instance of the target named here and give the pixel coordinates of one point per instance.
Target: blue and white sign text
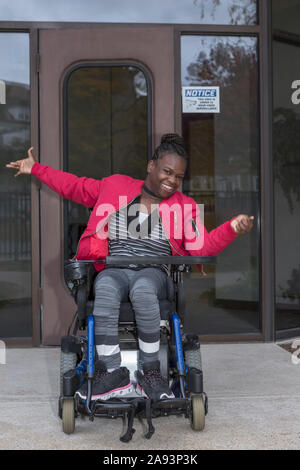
(200, 99)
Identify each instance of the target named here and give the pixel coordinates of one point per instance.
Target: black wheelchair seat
(127, 314)
(80, 280)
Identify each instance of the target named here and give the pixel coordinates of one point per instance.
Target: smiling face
(165, 175)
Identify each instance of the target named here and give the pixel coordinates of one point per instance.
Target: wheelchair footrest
(170, 403)
(140, 407)
(115, 407)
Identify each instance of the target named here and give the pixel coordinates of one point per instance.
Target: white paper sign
(200, 99)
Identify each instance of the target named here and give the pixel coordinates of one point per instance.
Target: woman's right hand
(24, 166)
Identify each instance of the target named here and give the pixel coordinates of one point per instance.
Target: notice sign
(200, 99)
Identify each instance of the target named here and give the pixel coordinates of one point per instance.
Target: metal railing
(15, 226)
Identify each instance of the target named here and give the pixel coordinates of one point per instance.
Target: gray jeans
(145, 288)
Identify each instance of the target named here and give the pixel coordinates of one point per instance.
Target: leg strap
(130, 430)
(151, 428)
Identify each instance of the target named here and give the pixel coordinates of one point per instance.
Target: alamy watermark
(2, 352)
(296, 94)
(179, 221)
(2, 92)
(296, 353)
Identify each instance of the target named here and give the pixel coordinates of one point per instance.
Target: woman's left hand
(242, 224)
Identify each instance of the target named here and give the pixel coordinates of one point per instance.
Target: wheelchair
(179, 355)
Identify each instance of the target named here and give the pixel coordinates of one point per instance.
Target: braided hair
(171, 143)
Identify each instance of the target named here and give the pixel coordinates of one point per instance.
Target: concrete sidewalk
(253, 403)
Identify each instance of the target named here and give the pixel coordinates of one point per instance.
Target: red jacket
(179, 214)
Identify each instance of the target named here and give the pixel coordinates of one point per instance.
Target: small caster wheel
(68, 416)
(197, 413)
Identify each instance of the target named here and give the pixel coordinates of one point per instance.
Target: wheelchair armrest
(150, 260)
(79, 280)
(77, 273)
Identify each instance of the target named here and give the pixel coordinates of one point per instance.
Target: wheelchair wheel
(193, 358)
(68, 360)
(68, 416)
(197, 413)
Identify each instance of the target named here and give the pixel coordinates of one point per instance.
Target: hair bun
(170, 143)
(172, 139)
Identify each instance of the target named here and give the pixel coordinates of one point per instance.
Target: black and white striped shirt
(134, 233)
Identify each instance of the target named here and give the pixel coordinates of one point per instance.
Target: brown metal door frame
(263, 32)
(34, 189)
(35, 193)
(59, 51)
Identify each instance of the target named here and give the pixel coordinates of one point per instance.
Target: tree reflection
(286, 144)
(239, 11)
(232, 65)
(293, 291)
(15, 243)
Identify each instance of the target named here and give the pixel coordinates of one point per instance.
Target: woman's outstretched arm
(80, 190)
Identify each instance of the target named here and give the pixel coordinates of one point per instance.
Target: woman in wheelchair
(135, 218)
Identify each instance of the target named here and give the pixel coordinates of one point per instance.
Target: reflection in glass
(286, 161)
(285, 16)
(223, 175)
(134, 11)
(107, 129)
(15, 228)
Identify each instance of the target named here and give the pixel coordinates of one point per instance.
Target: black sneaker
(107, 385)
(151, 384)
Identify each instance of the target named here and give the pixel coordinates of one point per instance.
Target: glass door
(286, 164)
(221, 127)
(15, 207)
(107, 130)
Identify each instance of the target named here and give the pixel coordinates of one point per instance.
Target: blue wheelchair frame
(90, 363)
